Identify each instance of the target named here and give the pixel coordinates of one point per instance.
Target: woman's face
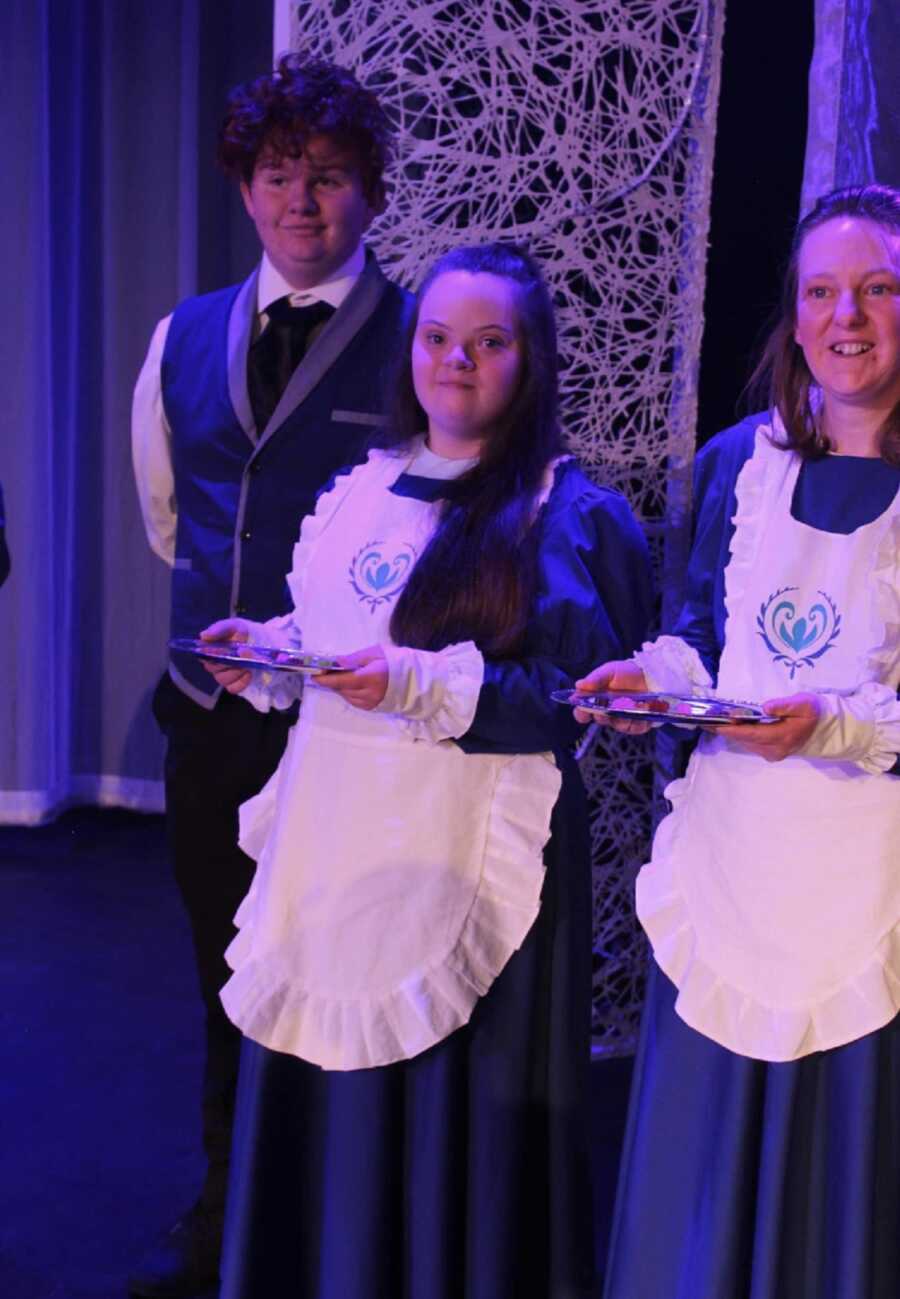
(467, 358)
(848, 313)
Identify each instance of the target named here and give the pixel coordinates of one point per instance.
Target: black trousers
(215, 760)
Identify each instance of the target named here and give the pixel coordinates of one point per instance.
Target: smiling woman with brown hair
(816, 358)
(763, 1153)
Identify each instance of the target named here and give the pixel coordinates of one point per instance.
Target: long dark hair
(475, 578)
(782, 376)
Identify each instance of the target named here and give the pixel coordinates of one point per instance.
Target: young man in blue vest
(249, 401)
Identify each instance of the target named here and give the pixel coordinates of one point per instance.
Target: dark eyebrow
(503, 328)
(318, 167)
(343, 168)
(333, 162)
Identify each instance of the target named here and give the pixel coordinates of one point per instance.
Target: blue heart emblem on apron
(378, 571)
(794, 636)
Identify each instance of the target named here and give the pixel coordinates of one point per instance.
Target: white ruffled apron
(396, 874)
(773, 897)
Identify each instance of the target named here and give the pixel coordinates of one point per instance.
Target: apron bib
(774, 893)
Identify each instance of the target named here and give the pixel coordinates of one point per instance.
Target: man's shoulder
(394, 288)
(205, 305)
(400, 296)
(202, 321)
(392, 298)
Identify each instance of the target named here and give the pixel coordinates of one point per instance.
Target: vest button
(245, 535)
(254, 467)
(240, 609)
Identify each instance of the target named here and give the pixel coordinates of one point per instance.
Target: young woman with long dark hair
(412, 969)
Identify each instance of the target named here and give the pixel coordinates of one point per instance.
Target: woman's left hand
(362, 680)
(800, 715)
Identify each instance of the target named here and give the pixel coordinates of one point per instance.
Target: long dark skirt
(460, 1174)
(747, 1180)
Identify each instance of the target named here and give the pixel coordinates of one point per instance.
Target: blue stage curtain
(112, 210)
(854, 97)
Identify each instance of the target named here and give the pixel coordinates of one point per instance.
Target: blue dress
(742, 1179)
(462, 1173)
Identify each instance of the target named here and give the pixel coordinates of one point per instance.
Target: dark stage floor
(100, 1033)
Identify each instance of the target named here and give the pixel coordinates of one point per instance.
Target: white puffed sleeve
(673, 666)
(862, 727)
(434, 693)
(274, 689)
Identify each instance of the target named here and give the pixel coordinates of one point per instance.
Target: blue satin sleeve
(593, 603)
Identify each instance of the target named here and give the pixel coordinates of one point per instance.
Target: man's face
(310, 212)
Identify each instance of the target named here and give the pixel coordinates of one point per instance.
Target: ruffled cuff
(673, 666)
(269, 690)
(863, 728)
(434, 694)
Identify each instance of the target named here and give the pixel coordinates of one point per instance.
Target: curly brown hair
(782, 376)
(305, 95)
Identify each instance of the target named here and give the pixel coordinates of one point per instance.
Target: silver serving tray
(661, 708)
(241, 654)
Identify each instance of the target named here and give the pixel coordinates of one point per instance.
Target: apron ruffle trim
(431, 1003)
(752, 490)
(731, 1016)
(885, 573)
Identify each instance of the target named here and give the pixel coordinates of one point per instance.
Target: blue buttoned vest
(241, 500)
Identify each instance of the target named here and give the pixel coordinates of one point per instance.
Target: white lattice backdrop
(583, 128)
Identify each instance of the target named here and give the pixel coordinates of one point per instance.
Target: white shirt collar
(273, 285)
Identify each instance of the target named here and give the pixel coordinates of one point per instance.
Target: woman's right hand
(232, 679)
(618, 674)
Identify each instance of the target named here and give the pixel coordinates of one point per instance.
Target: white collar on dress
(425, 463)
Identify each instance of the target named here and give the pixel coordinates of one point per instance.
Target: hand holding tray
(241, 654)
(661, 708)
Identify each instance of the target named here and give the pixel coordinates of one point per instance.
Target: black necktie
(277, 352)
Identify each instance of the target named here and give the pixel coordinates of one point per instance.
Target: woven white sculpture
(582, 128)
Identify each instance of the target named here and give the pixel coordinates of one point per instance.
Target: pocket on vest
(366, 417)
